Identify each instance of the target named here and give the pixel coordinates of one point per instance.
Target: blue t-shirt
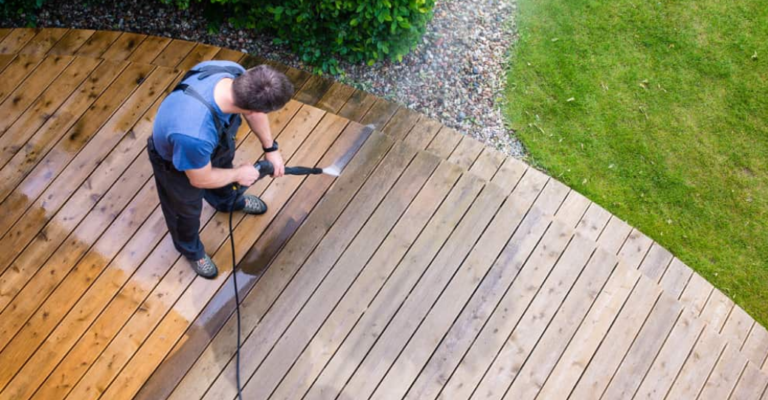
(184, 131)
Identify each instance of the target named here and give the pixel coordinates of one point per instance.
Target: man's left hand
(277, 161)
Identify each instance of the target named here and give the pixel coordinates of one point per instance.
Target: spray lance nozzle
(266, 168)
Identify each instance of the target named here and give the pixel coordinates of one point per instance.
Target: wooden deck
(433, 267)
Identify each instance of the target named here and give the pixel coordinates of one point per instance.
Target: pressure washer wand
(266, 168)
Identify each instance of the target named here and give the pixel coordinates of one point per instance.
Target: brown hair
(262, 89)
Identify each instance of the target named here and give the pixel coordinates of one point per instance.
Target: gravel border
(456, 75)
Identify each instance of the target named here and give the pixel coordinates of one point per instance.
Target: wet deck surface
(433, 267)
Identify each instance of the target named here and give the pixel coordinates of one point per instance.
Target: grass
(658, 111)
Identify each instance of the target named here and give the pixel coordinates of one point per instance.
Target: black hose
(237, 298)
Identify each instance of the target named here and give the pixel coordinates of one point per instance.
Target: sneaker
(205, 267)
(254, 205)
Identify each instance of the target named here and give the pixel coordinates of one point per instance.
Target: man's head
(262, 89)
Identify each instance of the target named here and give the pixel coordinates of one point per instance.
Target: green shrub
(10, 9)
(324, 31)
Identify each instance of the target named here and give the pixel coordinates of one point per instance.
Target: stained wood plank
(385, 303)
(20, 99)
(717, 310)
(124, 46)
(656, 262)
(423, 133)
(380, 113)
(131, 295)
(445, 142)
(594, 222)
(5, 32)
(698, 367)
(313, 90)
(614, 235)
(521, 341)
(290, 343)
(647, 345)
(149, 49)
(401, 123)
(671, 358)
(724, 376)
(71, 42)
(97, 44)
(553, 343)
(216, 317)
(676, 278)
(17, 72)
(200, 53)
(751, 385)
(17, 39)
(357, 106)
(588, 337)
(174, 53)
(340, 236)
(335, 98)
(6, 59)
(43, 41)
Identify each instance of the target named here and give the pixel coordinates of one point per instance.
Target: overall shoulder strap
(189, 90)
(209, 70)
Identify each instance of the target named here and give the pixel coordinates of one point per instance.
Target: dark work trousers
(182, 203)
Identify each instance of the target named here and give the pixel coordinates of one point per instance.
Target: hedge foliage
(10, 9)
(324, 31)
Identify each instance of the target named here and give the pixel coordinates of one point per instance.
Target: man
(193, 145)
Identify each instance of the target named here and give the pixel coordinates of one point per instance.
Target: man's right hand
(247, 174)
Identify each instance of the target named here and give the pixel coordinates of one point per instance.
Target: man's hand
(277, 161)
(247, 174)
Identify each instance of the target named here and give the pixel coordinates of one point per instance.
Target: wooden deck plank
(423, 133)
(71, 42)
(671, 357)
(43, 41)
(444, 143)
(6, 59)
(16, 132)
(76, 173)
(717, 310)
(466, 152)
(289, 344)
(487, 164)
(647, 345)
(521, 341)
(401, 123)
(174, 53)
(357, 106)
(335, 98)
(594, 222)
(17, 39)
(656, 263)
(614, 235)
(509, 174)
(386, 302)
(340, 236)
(154, 308)
(726, 374)
(696, 294)
(25, 94)
(16, 73)
(132, 291)
(459, 291)
(423, 296)
(216, 317)
(573, 209)
(756, 345)
(751, 385)
(590, 334)
(676, 278)
(149, 49)
(124, 46)
(380, 113)
(186, 309)
(557, 336)
(97, 44)
(698, 367)
(737, 327)
(313, 90)
(5, 32)
(634, 250)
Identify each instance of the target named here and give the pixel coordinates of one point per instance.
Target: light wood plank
(290, 343)
(698, 367)
(573, 209)
(594, 222)
(200, 53)
(634, 250)
(737, 327)
(509, 174)
(44, 41)
(149, 49)
(444, 143)
(590, 334)
(380, 113)
(124, 46)
(656, 263)
(466, 152)
(756, 346)
(614, 235)
(335, 98)
(696, 294)
(423, 133)
(522, 340)
(726, 374)
(401, 123)
(174, 53)
(640, 356)
(751, 385)
(487, 164)
(17, 72)
(97, 44)
(71, 42)
(17, 39)
(550, 347)
(386, 302)
(676, 278)
(717, 310)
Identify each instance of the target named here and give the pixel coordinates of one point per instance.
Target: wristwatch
(270, 149)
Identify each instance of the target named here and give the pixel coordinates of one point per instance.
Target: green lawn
(658, 111)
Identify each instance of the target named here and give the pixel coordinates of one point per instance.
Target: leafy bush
(323, 31)
(16, 8)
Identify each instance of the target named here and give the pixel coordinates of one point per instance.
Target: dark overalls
(181, 202)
